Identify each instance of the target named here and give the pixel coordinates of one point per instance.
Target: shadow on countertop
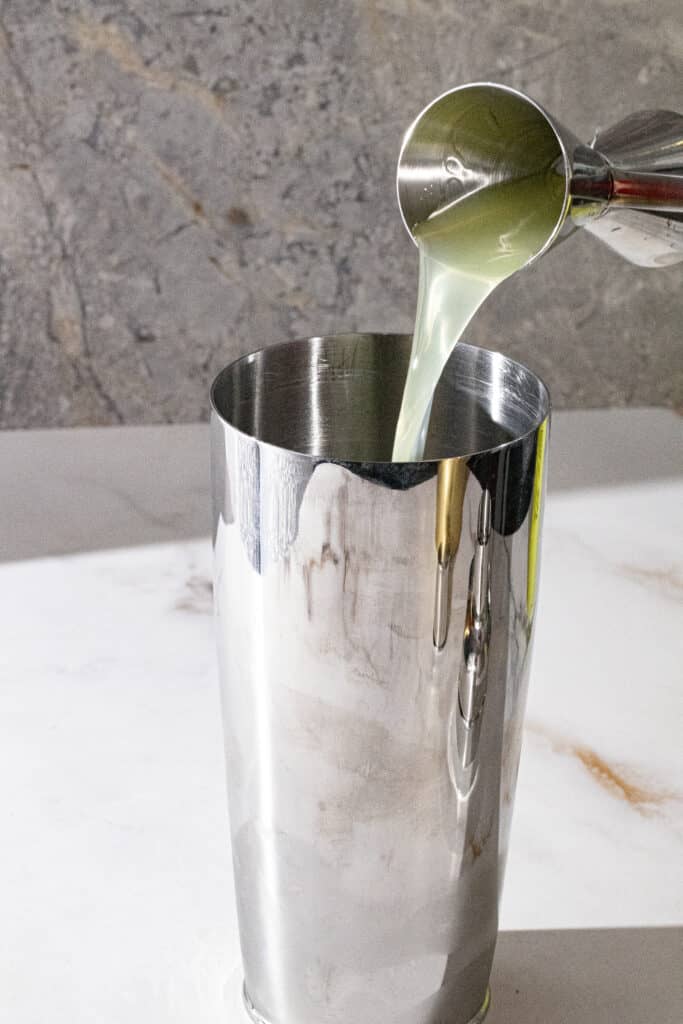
(602, 976)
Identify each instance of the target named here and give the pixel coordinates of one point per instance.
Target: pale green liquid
(466, 249)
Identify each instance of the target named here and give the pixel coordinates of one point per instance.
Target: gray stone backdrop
(183, 181)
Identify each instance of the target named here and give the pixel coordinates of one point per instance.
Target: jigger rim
(539, 394)
(555, 128)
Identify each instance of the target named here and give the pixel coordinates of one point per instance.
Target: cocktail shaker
(374, 625)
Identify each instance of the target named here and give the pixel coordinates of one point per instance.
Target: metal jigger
(625, 187)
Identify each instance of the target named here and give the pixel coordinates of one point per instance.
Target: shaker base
(256, 1017)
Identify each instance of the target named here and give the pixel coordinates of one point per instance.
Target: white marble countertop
(116, 887)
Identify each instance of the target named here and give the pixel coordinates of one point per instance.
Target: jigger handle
(656, 192)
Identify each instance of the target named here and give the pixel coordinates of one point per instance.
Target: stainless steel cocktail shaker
(374, 627)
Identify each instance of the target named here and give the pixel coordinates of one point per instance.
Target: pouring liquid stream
(465, 250)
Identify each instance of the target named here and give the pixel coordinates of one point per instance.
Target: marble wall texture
(183, 181)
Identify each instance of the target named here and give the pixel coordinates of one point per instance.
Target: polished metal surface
(626, 187)
(374, 625)
(644, 217)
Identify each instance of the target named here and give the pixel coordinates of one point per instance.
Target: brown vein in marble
(618, 780)
(176, 185)
(198, 596)
(193, 206)
(668, 580)
(615, 781)
(95, 37)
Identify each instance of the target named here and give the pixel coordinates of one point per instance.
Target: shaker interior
(339, 396)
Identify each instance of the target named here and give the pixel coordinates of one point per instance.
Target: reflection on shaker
(535, 522)
(450, 495)
(467, 717)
